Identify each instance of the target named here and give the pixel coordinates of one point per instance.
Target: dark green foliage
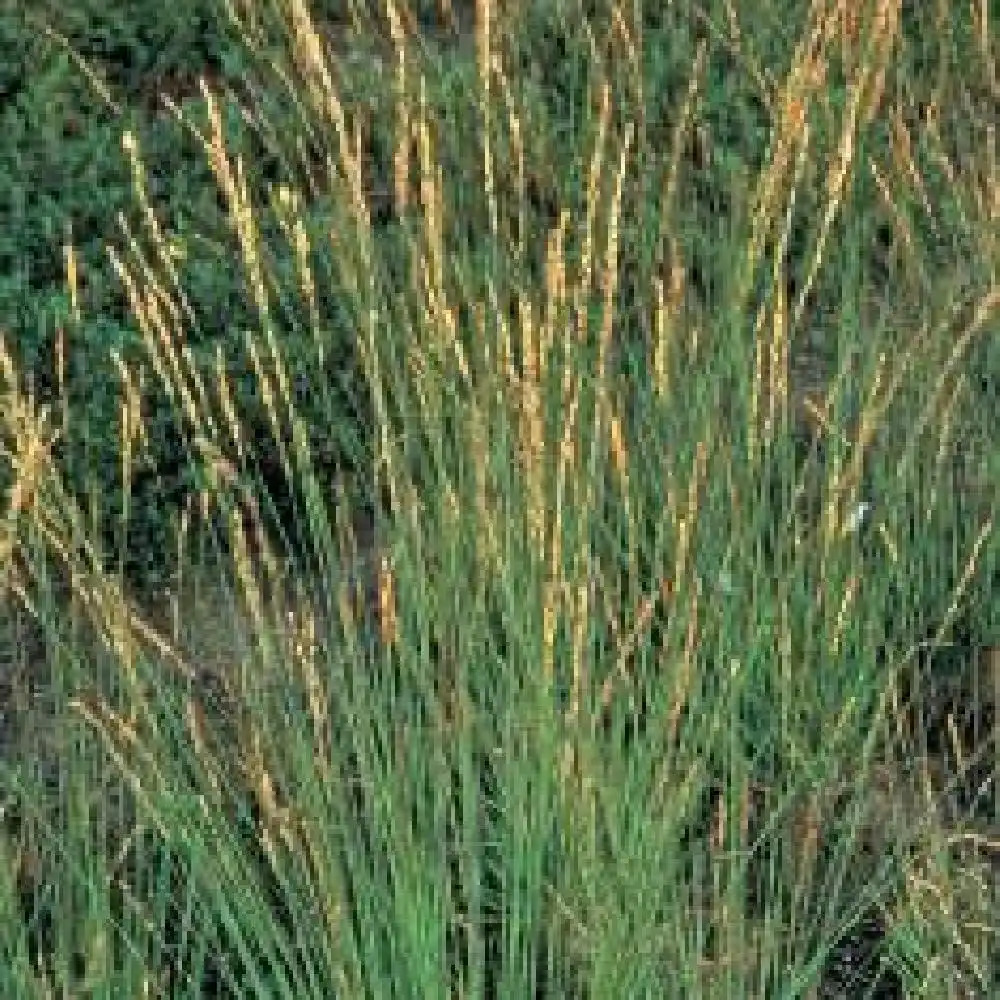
(64, 177)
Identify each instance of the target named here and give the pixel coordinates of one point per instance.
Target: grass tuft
(617, 669)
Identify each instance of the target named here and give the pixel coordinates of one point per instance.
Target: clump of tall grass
(628, 715)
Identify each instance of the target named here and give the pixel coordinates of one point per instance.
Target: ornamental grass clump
(674, 470)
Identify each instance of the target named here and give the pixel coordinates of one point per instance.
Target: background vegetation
(442, 492)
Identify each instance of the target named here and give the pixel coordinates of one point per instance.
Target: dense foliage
(662, 361)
